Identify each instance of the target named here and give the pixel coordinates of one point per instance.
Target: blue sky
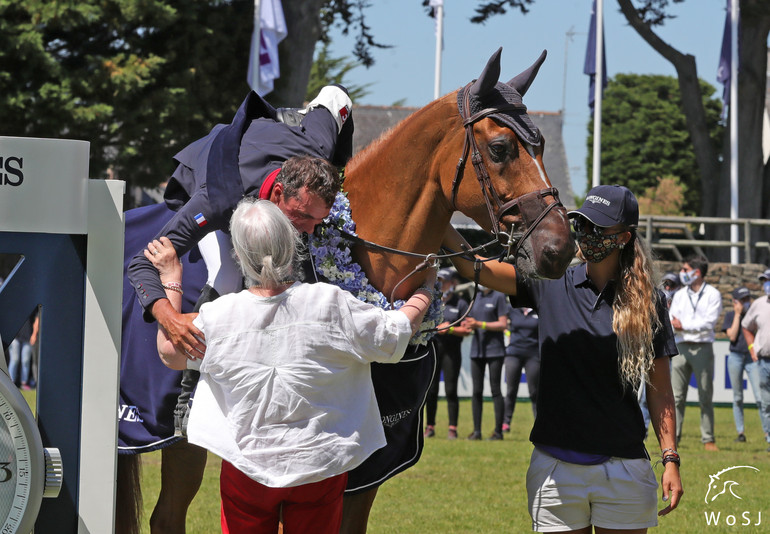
(406, 71)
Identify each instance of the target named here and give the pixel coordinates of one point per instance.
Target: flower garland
(332, 259)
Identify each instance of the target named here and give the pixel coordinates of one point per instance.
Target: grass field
(479, 487)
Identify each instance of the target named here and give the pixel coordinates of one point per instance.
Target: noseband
(528, 209)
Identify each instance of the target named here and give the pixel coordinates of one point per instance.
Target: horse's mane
(373, 147)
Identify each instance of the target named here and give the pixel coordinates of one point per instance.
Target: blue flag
(589, 67)
(725, 60)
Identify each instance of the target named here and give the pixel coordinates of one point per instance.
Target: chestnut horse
(403, 190)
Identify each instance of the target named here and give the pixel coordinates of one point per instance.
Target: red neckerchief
(267, 185)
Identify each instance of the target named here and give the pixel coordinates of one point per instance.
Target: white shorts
(618, 494)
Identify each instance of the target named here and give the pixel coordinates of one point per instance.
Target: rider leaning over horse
(275, 154)
(243, 159)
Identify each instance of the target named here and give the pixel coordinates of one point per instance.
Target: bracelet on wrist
(451, 329)
(483, 325)
(173, 286)
(431, 292)
(751, 347)
(672, 459)
(664, 451)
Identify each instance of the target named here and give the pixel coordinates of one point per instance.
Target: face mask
(669, 294)
(596, 247)
(687, 277)
(766, 287)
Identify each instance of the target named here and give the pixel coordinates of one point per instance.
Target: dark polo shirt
(488, 307)
(524, 339)
(582, 404)
(740, 344)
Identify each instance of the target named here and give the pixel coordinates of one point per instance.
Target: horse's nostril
(551, 253)
(554, 260)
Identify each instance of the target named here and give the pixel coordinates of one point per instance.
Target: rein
(468, 254)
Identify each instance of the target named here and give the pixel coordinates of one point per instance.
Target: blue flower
(331, 257)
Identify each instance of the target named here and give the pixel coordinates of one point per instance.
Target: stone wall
(725, 277)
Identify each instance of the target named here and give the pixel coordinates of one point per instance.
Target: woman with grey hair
(285, 397)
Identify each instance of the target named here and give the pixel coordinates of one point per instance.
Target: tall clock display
(28, 471)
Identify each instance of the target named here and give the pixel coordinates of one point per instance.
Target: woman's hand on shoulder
(161, 253)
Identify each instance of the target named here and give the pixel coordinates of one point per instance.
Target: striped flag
(269, 30)
(589, 67)
(200, 220)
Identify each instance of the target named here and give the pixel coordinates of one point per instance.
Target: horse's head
(515, 200)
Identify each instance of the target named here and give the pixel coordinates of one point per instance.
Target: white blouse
(286, 394)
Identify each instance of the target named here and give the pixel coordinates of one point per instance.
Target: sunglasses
(583, 226)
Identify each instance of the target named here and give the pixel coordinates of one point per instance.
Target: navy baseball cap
(608, 205)
(741, 293)
(765, 275)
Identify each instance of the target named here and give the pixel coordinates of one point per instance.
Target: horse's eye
(498, 152)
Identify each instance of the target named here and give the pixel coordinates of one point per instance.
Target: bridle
(529, 209)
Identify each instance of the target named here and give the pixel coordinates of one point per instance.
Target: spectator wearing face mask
(739, 359)
(694, 312)
(670, 284)
(756, 330)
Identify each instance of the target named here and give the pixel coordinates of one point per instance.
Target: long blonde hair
(635, 311)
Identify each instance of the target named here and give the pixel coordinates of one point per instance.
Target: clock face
(14, 468)
(19, 502)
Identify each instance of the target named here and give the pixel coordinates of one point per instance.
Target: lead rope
(477, 264)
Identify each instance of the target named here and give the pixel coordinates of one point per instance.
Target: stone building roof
(372, 121)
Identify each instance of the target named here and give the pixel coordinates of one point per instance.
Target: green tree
(139, 80)
(645, 135)
(644, 16)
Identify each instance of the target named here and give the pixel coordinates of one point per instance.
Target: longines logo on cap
(11, 170)
(598, 200)
(724, 485)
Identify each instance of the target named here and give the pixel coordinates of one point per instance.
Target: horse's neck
(396, 201)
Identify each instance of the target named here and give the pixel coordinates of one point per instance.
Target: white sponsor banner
(43, 185)
(723, 392)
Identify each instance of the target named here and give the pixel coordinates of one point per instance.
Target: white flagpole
(735, 15)
(439, 40)
(255, 48)
(598, 82)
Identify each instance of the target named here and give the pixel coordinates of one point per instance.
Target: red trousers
(249, 507)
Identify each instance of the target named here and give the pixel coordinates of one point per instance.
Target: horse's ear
(522, 82)
(489, 76)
